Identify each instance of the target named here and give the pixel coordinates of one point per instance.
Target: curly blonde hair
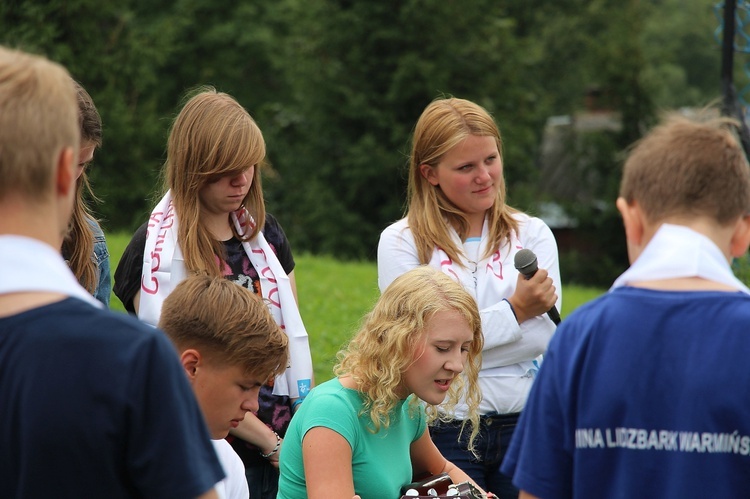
(227, 323)
(379, 354)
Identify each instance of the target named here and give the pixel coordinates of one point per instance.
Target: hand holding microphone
(526, 264)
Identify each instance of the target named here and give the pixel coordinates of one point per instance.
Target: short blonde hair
(379, 354)
(227, 323)
(38, 120)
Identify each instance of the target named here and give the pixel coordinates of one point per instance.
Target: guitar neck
(441, 486)
(466, 490)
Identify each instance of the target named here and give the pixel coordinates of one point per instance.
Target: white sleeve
(397, 254)
(237, 487)
(499, 325)
(544, 246)
(234, 486)
(507, 342)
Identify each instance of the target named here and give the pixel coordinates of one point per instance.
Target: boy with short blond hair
(643, 392)
(229, 345)
(86, 395)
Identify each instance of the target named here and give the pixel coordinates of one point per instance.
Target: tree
(613, 66)
(336, 87)
(112, 52)
(360, 74)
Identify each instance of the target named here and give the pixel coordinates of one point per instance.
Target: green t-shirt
(381, 463)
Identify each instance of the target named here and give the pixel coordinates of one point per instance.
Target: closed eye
(250, 387)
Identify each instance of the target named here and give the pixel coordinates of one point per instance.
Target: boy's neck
(40, 222)
(722, 236)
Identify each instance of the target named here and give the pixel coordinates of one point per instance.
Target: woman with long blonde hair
(458, 221)
(212, 220)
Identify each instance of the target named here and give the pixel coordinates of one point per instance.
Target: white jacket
(511, 352)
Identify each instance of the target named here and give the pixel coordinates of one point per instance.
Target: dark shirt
(89, 414)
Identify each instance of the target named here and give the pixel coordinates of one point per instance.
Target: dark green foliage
(360, 74)
(336, 86)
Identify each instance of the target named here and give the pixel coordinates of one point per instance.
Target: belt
(491, 419)
(500, 419)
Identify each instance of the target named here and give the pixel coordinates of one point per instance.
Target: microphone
(525, 261)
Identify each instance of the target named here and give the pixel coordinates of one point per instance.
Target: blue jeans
(101, 256)
(263, 480)
(494, 436)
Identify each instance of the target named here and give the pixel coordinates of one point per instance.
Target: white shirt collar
(677, 251)
(29, 265)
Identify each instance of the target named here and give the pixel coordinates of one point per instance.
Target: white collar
(29, 265)
(677, 251)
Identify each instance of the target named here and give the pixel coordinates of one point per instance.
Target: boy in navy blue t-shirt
(86, 395)
(644, 392)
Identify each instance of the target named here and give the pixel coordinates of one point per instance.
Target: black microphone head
(525, 262)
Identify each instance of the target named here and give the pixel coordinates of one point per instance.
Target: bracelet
(275, 449)
(296, 403)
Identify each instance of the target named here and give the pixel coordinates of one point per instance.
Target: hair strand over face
(78, 244)
(213, 136)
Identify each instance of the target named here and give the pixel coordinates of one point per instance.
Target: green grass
(116, 244)
(333, 297)
(575, 296)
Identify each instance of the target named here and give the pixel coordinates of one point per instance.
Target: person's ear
(65, 178)
(740, 237)
(632, 219)
(191, 359)
(428, 172)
